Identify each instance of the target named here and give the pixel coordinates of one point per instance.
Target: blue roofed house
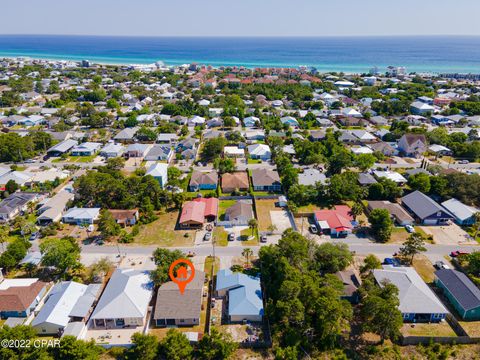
(160, 172)
(418, 303)
(251, 121)
(244, 295)
(464, 214)
(462, 293)
(289, 120)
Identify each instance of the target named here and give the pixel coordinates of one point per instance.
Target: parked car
(464, 162)
(34, 236)
(409, 228)
(392, 261)
(313, 229)
(441, 265)
(263, 238)
(458, 253)
(231, 236)
(207, 236)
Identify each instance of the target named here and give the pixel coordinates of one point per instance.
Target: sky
(241, 17)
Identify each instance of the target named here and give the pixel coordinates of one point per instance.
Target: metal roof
(461, 288)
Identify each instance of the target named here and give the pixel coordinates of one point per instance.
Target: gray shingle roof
(422, 205)
(461, 287)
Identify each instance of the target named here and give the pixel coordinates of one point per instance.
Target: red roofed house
(198, 211)
(336, 221)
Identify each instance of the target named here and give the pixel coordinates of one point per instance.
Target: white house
(160, 172)
(112, 150)
(260, 151)
(85, 149)
(81, 216)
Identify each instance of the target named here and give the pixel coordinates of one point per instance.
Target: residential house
(137, 150)
(351, 282)
(233, 152)
(159, 171)
(81, 216)
(289, 120)
(85, 149)
(167, 138)
(363, 137)
(82, 309)
(125, 300)
(55, 313)
(390, 175)
(19, 297)
(125, 217)
(260, 151)
(426, 210)
(254, 135)
(21, 178)
(187, 144)
(463, 214)
(462, 293)
(398, 214)
(203, 180)
(52, 210)
(366, 179)
(196, 120)
(126, 135)
(240, 213)
(311, 176)
(198, 211)
(251, 121)
(159, 153)
(412, 144)
(112, 150)
(421, 108)
(266, 180)
(384, 148)
(244, 294)
(337, 221)
(173, 308)
(418, 303)
(235, 181)
(15, 204)
(62, 147)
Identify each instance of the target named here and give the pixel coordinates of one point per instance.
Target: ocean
(349, 54)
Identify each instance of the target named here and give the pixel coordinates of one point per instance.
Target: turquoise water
(349, 54)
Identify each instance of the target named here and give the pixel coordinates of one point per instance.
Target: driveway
(281, 220)
(449, 235)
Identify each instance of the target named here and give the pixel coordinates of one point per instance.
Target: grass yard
(254, 161)
(399, 235)
(223, 206)
(310, 208)
(162, 232)
(263, 208)
(471, 230)
(208, 265)
(245, 235)
(424, 268)
(440, 329)
(220, 236)
(471, 327)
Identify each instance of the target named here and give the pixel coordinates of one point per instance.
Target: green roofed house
(462, 293)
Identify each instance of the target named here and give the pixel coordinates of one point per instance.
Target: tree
(420, 182)
(381, 224)
(331, 258)
(414, 244)
(247, 254)
(370, 263)
(163, 258)
(116, 163)
(63, 254)
(224, 165)
(145, 347)
(216, 346)
(252, 224)
(71, 348)
(364, 161)
(213, 148)
(379, 310)
(474, 263)
(175, 346)
(340, 160)
(107, 225)
(15, 252)
(4, 235)
(356, 210)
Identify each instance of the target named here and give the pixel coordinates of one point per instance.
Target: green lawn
(220, 235)
(223, 206)
(471, 230)
(162, 232)
(254, 161)
(245, 235)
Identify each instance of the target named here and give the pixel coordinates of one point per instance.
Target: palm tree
(247, 253)
(252, 224)
(357, 209)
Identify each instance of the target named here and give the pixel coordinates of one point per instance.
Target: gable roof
(60, 302)
(199, 177)
(337, 218)
(412, 138)
(265, 177)
(171, 304)
(240, 208)
(415, 296)
(126, 295)
(20, 296)
(422, 205)
(461, 288)
(459, 209)
(238, 180)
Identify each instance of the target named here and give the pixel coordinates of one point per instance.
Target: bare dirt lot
(448, 235)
